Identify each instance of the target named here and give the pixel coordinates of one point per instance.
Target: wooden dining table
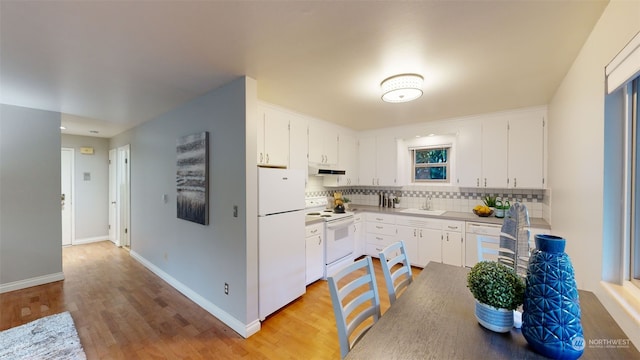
(435, 319)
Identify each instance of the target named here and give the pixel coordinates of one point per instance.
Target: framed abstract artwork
(192, 178)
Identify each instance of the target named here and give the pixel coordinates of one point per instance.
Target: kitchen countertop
(449, 215)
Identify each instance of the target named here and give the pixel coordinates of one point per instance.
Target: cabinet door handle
(261, 157)
(515, 182)
(379, 219)
(414, 233)
(319, 240)
(267, 158)
(379, 238)
(420, 233)
(478, 182)
(379, 227)
(485, 182)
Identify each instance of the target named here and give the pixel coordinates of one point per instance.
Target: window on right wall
(430, 164)
(633, 192)
(621, 220)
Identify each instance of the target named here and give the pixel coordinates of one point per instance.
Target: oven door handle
(336, 224)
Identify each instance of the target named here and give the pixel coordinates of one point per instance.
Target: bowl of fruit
(482, 210)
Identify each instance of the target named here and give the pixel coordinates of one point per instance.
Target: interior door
(66, 195)
(113, 196)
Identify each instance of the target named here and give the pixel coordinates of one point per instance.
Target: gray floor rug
(51, 337)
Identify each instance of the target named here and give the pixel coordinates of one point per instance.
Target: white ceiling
(110, 65)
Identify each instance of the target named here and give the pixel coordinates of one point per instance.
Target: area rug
(51, 337)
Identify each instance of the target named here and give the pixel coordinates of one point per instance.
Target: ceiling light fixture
(401, 88)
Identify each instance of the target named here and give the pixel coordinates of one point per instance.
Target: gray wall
(201, 258)
(30, 224)
(92, 196)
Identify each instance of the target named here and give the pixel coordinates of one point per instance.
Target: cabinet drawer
(419, 222)
(380, 228)
(374, 249)
(455, 226)
(314, 229)
(358, 217)
(382, 240)
(381, 218)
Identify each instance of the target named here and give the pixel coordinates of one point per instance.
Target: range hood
(317, 171)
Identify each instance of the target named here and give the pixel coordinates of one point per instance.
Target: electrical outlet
(226, 289)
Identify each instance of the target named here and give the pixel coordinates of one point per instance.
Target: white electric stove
(339, 240)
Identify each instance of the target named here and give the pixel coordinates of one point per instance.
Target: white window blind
(625, 66)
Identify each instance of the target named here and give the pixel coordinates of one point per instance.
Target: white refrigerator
(281, 238)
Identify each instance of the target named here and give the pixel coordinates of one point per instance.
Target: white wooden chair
(490, 249)
(396, 269)
(348, 294)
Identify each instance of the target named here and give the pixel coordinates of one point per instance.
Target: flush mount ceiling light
(401, 88)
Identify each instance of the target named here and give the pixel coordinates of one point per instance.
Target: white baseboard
(245, 330)
(90, 240)
(23, 284)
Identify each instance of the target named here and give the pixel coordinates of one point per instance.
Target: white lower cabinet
(358, 234)
(422, 236)
(380, 233)
(453, 242)
(426, 239)
(412, 238)
(314, 252)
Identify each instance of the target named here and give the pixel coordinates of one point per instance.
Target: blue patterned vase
(551, 318)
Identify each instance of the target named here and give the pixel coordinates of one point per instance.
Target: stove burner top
(313, 213)
(327, 215)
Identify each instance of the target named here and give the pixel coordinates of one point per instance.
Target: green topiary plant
(490, 201)
(496, 285)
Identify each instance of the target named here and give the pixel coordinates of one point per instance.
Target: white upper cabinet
(502, 152)
(367, 159)
(469, 155)
(347, 161)
(494, 153)
(378, 161)
(526, 152)
(298, 144)
(273, 137)
(323, 143)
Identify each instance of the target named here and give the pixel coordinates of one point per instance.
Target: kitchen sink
(423, 212)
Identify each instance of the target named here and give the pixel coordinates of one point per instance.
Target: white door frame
(70, 198)
(120, 196)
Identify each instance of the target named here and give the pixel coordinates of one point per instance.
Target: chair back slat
(361, 290)
(396, 277)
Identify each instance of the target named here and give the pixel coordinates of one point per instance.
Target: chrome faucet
(427, 204)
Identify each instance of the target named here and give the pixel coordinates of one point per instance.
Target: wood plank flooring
(123, 311)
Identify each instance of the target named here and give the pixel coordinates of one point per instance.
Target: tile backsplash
(448, 198)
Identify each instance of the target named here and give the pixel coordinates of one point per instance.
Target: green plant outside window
(431, 164)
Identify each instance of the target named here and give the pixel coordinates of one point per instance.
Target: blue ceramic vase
(551, 318)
